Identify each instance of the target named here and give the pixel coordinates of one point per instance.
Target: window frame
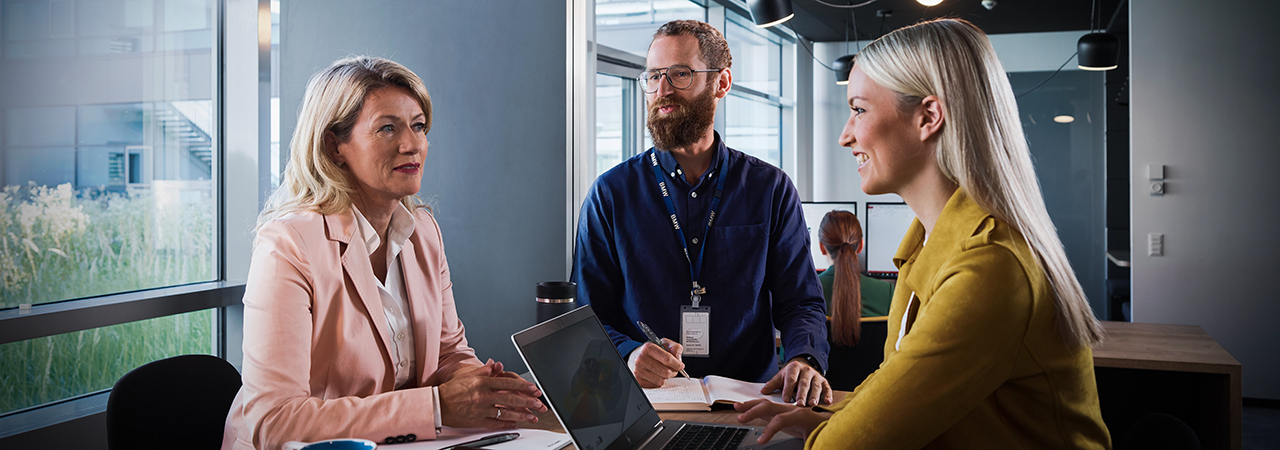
(242, 55)
(785, 101)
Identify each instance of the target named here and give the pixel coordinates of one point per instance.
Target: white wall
(1204, 91)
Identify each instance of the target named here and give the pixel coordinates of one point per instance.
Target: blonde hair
(312, 180)
(983, 149)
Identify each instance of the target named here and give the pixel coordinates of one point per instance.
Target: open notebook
(697, 394)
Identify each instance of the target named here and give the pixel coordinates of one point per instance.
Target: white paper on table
(529, 439)
(679, 390)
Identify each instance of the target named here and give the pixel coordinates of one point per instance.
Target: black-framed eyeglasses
(680, 77)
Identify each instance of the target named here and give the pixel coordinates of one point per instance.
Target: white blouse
(395, 307)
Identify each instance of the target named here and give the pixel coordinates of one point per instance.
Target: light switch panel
(1155, 171)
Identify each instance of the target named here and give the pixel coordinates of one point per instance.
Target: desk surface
(1183, 348)
(1179, 348)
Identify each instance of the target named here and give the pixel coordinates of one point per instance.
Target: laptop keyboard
(704, 437)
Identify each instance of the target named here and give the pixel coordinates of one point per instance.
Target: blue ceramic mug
(332, 444)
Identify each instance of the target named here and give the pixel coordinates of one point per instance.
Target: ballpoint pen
(658, 342)
(487, 440)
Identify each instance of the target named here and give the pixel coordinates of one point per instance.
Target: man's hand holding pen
(652, 364)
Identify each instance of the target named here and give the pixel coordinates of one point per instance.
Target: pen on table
(658, 342)
(487, 440)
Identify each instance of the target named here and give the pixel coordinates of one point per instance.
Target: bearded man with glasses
(641, 253)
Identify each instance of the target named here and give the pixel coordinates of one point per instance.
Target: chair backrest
(1160, 431)
(851, 365)
(178, 402)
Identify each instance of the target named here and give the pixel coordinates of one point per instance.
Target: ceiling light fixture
(1063, 118)
(929, 2)
(843, 66)
(767, 13)
(1097, 50)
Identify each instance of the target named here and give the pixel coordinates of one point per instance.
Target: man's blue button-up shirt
(757, 268)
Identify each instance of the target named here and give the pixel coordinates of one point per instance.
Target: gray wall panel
(1202, 105)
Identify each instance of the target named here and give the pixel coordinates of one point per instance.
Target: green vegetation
(57, 244)
(48, 369)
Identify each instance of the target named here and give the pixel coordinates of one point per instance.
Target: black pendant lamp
(767, 13)
(1098, 51)
(843, 66)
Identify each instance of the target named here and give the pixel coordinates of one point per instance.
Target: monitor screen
(883, 229)
(813, 212)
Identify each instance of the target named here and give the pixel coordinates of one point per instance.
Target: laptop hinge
(657, 429)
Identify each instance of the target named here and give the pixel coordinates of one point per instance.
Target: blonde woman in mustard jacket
(350, 329)
(989, 330)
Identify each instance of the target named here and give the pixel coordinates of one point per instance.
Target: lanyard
(695, 266)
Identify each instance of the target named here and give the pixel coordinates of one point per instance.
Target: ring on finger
(499, 416)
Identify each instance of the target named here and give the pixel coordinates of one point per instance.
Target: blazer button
(412, 437)
(401, 439)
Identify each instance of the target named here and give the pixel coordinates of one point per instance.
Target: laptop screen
(587, 383)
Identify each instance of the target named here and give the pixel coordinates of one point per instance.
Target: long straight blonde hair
(982, 147)
(312, 180)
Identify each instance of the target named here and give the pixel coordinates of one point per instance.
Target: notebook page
(678, 390)
(731, 390)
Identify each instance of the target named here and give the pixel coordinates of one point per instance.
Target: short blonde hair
(312, 180)
(982, 148)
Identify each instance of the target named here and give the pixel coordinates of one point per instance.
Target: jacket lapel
(355, 263)
(415, 290)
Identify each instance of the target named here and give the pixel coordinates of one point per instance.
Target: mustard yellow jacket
(980, 363)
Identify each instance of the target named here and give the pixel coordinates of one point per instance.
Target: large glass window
(628, 25)
(753, 108)
(609, 121)
(754, 126)
(757, 56)
(107, 144)
(48, 369)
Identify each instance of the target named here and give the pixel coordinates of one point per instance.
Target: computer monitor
(883, 229)
(813, 213)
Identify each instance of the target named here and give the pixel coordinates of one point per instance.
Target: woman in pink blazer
(350, 328)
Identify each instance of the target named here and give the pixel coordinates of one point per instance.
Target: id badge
(695, 330)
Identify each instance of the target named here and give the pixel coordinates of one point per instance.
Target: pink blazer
(317, 363)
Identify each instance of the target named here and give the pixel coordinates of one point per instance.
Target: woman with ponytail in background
(989, 333)
(850, 295)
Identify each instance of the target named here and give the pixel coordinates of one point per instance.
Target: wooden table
(1180, 370)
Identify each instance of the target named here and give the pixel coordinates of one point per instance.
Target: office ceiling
(822, 23)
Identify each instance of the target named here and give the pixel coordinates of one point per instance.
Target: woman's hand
(488, 397)
(793, 420)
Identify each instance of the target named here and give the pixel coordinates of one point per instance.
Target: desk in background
(1179, 370)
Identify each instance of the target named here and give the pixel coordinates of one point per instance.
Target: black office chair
(851, 365)
(178, 402)
(1160, 431)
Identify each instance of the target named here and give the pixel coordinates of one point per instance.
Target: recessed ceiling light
(1063, 118)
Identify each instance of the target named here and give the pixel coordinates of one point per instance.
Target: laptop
(599, 402)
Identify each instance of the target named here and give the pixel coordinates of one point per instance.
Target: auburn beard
(686, 125)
